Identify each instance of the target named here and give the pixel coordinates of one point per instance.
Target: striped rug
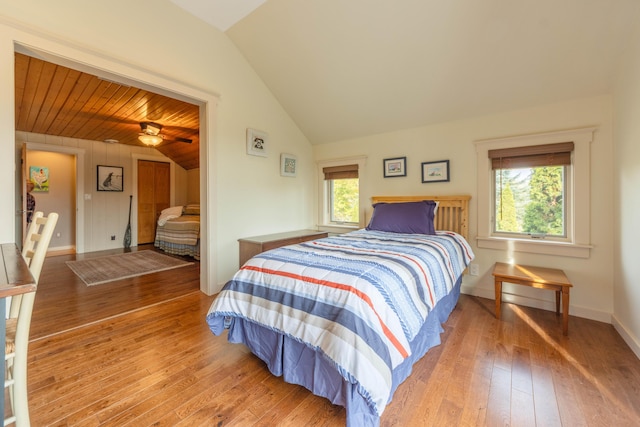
(105, 269)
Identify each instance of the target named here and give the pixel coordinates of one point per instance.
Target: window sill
(537, 247)
(337, 228)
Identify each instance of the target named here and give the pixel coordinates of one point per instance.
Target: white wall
(245, 194)
(592, 295)
(627, 201)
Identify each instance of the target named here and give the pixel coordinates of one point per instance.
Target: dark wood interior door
(153, 196)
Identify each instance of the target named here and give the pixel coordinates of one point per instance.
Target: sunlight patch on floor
(569, 358)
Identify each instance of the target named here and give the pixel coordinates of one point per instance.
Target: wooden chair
(19, 319)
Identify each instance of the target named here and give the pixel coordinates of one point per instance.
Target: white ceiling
(222, 14)
(351, 68)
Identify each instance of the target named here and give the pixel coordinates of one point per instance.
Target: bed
(347, 316)
(178, 230)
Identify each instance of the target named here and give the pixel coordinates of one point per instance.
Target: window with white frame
(343, 194)
(534, 193)
(340, 191)
(531, 191)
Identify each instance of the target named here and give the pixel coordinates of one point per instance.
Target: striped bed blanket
(183, 230)
(359, 298)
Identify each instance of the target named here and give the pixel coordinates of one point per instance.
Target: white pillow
(169, 213)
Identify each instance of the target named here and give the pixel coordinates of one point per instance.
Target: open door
(21, 196)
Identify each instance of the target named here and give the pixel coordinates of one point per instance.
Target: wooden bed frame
(452, 215)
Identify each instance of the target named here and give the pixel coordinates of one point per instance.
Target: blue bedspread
(357, 300)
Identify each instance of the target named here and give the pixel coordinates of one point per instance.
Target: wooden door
(153, 197)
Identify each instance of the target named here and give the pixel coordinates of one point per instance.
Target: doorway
(57, 195)
(64, 195)
(106, 68)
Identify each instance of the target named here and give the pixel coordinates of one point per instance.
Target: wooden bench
(536, 277)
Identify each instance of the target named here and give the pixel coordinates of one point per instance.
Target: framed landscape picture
(395, 167)
(435, 171)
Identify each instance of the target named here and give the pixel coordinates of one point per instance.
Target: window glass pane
(344, 196)
(530, 201)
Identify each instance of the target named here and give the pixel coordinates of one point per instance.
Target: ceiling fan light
(150, 140)
(150, 128)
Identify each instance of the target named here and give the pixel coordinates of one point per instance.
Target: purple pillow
(409, 217)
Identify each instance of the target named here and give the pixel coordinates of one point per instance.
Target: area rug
(95, 271)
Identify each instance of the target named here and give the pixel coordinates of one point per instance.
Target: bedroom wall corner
(592, 296)
(626, 292)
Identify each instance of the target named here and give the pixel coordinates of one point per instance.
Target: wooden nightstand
(251, 246)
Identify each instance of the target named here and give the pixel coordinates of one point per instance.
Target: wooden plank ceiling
(55, 100)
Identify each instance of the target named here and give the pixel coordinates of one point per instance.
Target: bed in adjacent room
(178, 230)
(347, 316)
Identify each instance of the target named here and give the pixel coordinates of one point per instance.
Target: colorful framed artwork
(39, 176)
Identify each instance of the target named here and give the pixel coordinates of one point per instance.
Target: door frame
(78, 154)
(56, 50)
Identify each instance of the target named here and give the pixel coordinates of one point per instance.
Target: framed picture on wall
(39, 176)
(288, 164)
(435, 171)
(257, 142)
(395, 167)
(110, 178)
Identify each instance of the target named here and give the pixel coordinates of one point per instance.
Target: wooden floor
(158, 364)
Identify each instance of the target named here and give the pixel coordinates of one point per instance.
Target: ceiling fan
(150, 135)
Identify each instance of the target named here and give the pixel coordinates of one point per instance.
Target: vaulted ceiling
(347, 69)
(55, 100)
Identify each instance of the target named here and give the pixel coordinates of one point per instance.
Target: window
(343, 193)
(339, 190)
(534, 193)
(530, 191)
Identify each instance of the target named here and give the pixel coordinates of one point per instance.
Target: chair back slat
(37, 241)
(34, 252)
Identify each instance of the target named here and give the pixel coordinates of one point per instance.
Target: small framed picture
(257, 142)
(110, 178)
(288, 164)
(435, 171)
(395, 167)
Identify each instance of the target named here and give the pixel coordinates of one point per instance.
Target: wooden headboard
(453, 211)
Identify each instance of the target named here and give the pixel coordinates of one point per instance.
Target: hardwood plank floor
(158, 364)
(64, 302)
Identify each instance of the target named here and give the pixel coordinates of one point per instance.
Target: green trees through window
(530, 201)
(345, 205)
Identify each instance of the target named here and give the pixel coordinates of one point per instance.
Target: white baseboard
(583, 312)
(631, 341)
